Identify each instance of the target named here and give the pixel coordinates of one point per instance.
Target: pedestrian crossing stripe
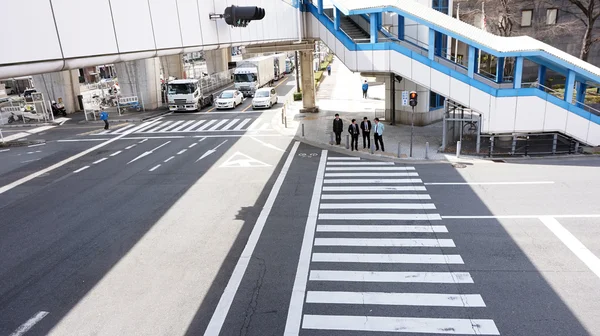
(204, 125)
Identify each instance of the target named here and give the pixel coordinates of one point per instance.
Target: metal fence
(15, 111)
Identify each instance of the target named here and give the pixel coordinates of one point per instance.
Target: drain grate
(459, 165)
(499, 161)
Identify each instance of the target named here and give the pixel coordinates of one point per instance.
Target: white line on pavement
(116, 153)
(570, 241)
(375, 196)
(382, 228)
(388, 258)
(384, 242)
(402, 206)
(182, 151)
(182, 126)
(242, 124)
(221, 122)
(169, 159)
(103, 159)
(231, 123)
(360, 163)
(218, 318)
(488, 183)
(154, 168)
(378, 216)
(366, 276)
(343, 158)
(370, 174)
(370, 181)
(522, 216)
(192, 145)
(181, 137)
(378, 188)
(143, 141)
(130, 146)
(369, 168)
(119, 130)
(4, 150)
(148, 152)
(292, 324)
(404, 324)
(37, 145)
(81, 169)
(23, 328)
(396, 299)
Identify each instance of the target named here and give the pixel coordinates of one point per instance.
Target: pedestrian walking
(338, 128)
(365, 127)
(365, 88)
(378, 134)
(104, 116)
(354, 131)
(329, 70)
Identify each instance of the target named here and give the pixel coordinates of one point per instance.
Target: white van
(264, 98)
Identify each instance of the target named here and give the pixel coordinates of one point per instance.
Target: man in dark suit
(354, 132)
(338, 128)
(365, 127)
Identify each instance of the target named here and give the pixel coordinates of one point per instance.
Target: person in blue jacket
(365, 88)
(104, 116)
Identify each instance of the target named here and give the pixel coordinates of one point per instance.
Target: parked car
(229, 99)
(264, 98)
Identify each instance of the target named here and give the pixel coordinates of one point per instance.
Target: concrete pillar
(172, 66)
(141, 78)
(423, 116)
(63, 85)
(308, 82)
(217, 60)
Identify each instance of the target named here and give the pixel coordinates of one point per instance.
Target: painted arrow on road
(210, 151)
(148, 153)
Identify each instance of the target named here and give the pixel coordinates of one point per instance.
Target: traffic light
(412, 98)
(241, 16)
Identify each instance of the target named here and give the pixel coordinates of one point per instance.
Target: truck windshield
(244, 78)
(181, 88)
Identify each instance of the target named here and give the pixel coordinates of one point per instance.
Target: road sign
(239, 160)
(404, 98)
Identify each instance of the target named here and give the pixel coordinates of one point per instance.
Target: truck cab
(186, 95)
(246, 80)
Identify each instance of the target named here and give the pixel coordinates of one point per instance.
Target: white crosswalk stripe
(368, 225)
(205, 125)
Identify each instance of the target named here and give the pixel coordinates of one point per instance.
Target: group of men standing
(355, 130)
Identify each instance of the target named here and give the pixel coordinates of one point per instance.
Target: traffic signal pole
(412, 127)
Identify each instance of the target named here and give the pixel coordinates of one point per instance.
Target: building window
(436, 101)
(526, 16)
(551, 15)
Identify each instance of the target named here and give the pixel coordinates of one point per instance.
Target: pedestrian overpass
(506, 107)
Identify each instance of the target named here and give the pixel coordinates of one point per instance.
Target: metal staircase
(351, 28)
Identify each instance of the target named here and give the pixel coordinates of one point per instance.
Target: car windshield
(262, 94)
(181, 88)
(244, 78)
(227, 94)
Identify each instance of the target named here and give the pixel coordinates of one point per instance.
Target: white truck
(253, 73)
(186, 95)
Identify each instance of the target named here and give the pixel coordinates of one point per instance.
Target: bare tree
(587, 12)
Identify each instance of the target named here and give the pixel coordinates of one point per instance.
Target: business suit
(354, 132)
(338, 128)
(378, 136)
(365, 127)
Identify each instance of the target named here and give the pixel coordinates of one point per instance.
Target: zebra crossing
(377, 258)
(204, 125)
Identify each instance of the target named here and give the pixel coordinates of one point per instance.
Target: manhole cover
(459, 165)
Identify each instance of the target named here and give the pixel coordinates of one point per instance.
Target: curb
(21, 143)
(27, 125)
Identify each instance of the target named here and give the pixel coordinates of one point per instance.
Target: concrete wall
(58, 86)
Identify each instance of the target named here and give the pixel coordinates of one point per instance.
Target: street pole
(412, 127)
(393, 98)
(297, 73)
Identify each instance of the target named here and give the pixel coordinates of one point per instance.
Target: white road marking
(343, 158)
(192, 145)
(254, 125)
(219, 124)
(403, 324)
(375, 196)
(370, 174)
(370, 181)
(25, 327)
(384, 242)
(182, 151)
(141, 142)
(240, 160)
(388, 258)
(160, 125)
(148, 152)
(379, 188)
(242, 124)
(154, 168)
(4, 150)
(360, 163)
(27, 161)
(116, 153)
(103, 159)
(196, 124)
(369, 168)
(378, 216)
(231, 123)
(210, 151)
(180, 127)
(203, 127)
(120, 130)
(382, 228)
(570, 241)
(266, 144)
(81, 169)
(169, 159)
(262, 135)
(401, 277)
(216, 322)
(131, 146)
(173, 125)
(292, 324)
(396, 299)
(402, 206)
(489, 183)
(36, 145)
(522, 216)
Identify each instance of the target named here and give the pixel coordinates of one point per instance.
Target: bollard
(347, 141)
(554, 143)
(372, 147)
(458, 149)
(331, 139)
(303, 130)
(285, 122)
(577, 147)
(427, 151)
(399, 151)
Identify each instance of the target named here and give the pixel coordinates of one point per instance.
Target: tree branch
(580, 5)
